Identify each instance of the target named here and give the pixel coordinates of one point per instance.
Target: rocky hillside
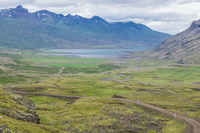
(183, 47)
(44, 29)
(17, 115)
(18, 107)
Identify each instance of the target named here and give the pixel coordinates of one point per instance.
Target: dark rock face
(195, 24)
(32, 116)
(21, 9)
(36, 118)
(18, 13)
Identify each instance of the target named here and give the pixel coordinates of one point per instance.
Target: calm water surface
(96, 53)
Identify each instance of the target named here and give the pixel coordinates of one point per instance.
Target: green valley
(72, 74)
(173, 87)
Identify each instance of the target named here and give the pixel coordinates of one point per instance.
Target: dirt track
(61, 70)
(43, 94)
(193, 126)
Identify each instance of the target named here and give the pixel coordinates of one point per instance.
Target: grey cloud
(138, 3)
(56, 3)
(11, 3)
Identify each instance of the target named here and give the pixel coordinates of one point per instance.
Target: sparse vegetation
(95, 114)
(173, 87)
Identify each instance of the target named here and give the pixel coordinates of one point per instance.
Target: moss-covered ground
(164, 84)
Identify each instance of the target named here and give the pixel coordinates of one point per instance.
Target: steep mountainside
(42, 29)
(183, 47)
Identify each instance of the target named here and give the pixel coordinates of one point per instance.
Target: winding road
(193, 126)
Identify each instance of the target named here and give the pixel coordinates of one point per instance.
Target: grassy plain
(167, 74)
(164, 84)
(63, 61)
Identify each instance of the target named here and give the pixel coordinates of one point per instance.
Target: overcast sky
(169, 16)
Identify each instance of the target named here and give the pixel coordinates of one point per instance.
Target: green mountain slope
(183, 47)
(44, 29)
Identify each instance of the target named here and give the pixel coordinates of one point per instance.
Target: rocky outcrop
(4, 128)
(28, 116)
(18, 107)
(183, 47)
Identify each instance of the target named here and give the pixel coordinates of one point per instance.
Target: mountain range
(183, 47)
(44, 29)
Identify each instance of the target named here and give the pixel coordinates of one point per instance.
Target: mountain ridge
(43, 29)
(183, 47)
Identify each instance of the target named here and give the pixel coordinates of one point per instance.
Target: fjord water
(96, 53)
